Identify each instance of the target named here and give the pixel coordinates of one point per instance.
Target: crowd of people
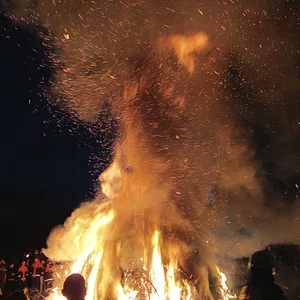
(33, 272)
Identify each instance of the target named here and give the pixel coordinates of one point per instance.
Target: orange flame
(89, 237)
(224, 290)
(102, 239)
(162, 279)
(164, 284)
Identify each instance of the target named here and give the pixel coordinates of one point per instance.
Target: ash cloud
(235, 116)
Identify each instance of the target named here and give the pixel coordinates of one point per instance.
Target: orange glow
(162, 278)
(224, 290)
(185, 47)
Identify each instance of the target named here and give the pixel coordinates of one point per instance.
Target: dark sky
(47, 161)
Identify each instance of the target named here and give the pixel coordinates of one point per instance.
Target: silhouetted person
(261, 284)
(74, 287)
(48, 277)
(3, 272)
(43, 262)
(11, 279)
(273, 257)
(42, 255)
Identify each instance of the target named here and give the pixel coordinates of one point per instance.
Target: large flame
(158, 281)
(153, 279)
(131, 242)
(149, 277)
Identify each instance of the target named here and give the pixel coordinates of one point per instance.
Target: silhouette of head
(261, 259)
(74, 287)
(261, 270)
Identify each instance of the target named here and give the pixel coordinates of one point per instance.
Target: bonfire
(137, 239)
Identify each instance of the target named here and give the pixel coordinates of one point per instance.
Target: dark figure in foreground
(11, 279)
(74, 287)
(18, 296)
(48, 277)
(3, 274)
(261, 284)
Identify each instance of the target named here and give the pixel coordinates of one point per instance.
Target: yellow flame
(126, 293)
(89, 257)
(224, 290)
(157, 272)
(162, 278)
(174, 290)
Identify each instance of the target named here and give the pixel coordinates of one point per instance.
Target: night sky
(47, 162)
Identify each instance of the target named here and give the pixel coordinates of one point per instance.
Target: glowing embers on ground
(154, 280)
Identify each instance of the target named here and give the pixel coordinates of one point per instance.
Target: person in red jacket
(37, 270)
(22, 276)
